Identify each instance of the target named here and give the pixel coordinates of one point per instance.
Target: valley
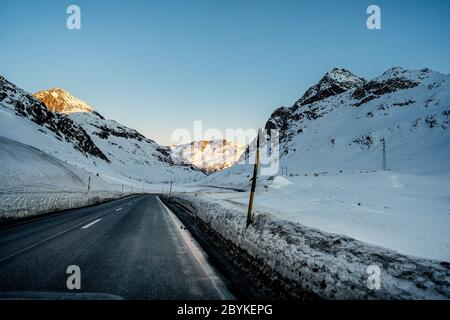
(361, 162)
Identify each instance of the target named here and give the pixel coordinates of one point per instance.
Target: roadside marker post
(253, 189)
(88, 190)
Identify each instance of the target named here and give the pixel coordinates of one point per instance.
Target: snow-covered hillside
(210, 156)
(410, 110)
(132, 154)
(86, 140)
(332, 159)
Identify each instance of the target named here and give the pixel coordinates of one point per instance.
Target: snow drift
(330, 266)
(33, 182)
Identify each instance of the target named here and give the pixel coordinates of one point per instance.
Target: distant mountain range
(210, 156)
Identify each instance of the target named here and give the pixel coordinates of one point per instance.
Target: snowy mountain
(334, 82)
(133, 154)
(21, 112)
(210, 156)
(59, 100)
(86, 139)
(332, 161)
(343, 128)
(342, 123)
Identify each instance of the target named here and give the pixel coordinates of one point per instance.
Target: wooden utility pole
(89, 185)
(384, 155)
(170, 190)
(255, 176)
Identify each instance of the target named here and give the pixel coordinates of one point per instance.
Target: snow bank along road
(133, 248)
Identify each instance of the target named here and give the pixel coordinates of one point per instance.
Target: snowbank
(328, 265)
(33, 182)
(21, 205)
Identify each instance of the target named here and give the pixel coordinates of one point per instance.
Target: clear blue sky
(159, 65)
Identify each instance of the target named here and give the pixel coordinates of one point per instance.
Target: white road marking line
(90, 224)
(198, 255)
(118, 209)
(33, 245)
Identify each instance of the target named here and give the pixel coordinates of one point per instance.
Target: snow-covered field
(407, 213)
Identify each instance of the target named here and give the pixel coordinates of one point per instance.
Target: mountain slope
(86, 140)
(131, 153)
(409, 110)
(332, 150)
(333, 83)
(18, 105)
(33, 182)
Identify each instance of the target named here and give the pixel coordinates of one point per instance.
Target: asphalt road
(133, 248)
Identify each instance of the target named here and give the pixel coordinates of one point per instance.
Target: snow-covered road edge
(328, 265)
(24, 205)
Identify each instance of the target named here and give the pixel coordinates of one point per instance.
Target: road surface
(133, 248)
